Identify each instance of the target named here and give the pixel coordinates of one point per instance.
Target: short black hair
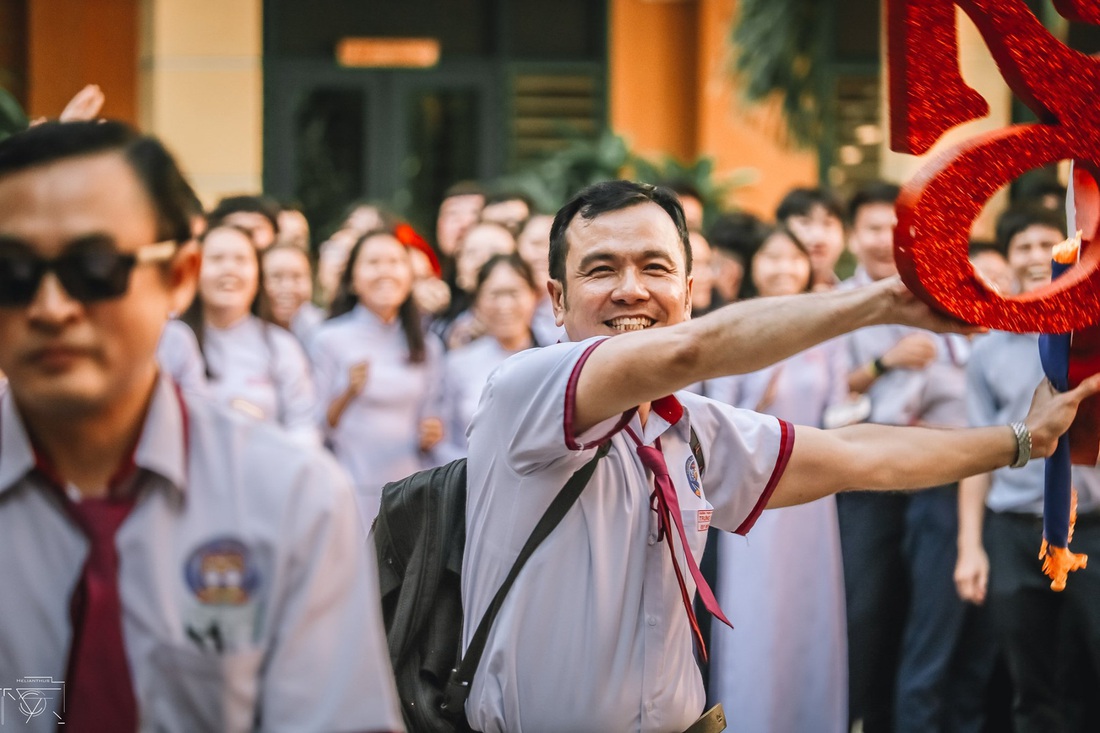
(464, 188)
(874, 192)
(512, 260)
(267, 207)
(737, 234)
(1018, 218)
(499, 197)
(977, 246)
(173, 199)
(800, 201)
(607, 196)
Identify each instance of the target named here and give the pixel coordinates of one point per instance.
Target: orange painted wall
(671, 92)
(85, 42)
(652, 69)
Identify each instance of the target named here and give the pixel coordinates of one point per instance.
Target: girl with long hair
(251, 365)
(378, 372)
(504, 301)
(783, 585)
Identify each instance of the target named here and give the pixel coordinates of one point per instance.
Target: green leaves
(554, 179)
(779, 50)
(12, 117)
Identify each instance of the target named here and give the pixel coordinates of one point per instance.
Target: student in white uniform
(504, 301)
(459, 326)
(288, 291)
(783, 586)
(533, 245)
(595, 633)
(379, 374)
(180, 358)
(252, 366)
(170, 567)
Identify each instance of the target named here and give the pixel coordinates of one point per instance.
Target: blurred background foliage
(780, 51)
(12, 117)
(551, 181)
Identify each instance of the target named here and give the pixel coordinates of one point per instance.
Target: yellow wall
(670, 92)
(202, 89)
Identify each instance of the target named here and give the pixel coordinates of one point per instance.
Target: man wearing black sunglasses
(166, 566)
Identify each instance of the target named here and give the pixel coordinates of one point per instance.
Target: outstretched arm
(634, 368)
(883, 458)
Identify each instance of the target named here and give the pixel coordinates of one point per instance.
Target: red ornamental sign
(938, 207)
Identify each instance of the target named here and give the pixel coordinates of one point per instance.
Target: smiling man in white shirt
(595, 634)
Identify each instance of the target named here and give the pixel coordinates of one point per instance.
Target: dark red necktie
(669, 507)
(99, 691)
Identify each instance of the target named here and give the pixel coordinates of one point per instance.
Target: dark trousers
(904, 617)
(1051, 641)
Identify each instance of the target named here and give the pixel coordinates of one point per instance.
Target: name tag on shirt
(702, 522)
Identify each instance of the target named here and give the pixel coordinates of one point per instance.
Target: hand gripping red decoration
(938, 207)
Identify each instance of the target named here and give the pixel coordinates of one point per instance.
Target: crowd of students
(381, 352)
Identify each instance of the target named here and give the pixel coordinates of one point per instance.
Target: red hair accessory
(408, 237)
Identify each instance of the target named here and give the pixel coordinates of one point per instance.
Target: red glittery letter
(938, 207)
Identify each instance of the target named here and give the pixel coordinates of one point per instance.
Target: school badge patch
(221, 572)
(692, 470)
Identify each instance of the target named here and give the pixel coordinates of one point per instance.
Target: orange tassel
(1058, 563)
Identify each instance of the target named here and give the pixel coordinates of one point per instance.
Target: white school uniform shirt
(236, 528)
(465, 372)
(782, 586)
(305, 323)
(933, 395)
(179, 357)
(593, 635)
(261, 370)
(378, 437)
(1001, 379)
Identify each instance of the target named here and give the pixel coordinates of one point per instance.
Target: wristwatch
(1023, 445)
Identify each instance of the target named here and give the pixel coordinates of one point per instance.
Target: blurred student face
(1029, 256)
(509, 214)
(230, 273)
(872, 239)
(506, 304)
(256, 224)
(481, 242)
(293, 229)
(533, 245)
(382, 277)
(780, 267)
(823, 235)
(456, 215)
(702, 267)
(287, 282)
(993, 270)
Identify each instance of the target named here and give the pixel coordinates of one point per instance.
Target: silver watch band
(1023, 445)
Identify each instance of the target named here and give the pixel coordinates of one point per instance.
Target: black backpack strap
(458, 686)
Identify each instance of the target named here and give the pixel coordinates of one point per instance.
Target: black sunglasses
(89, 271)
